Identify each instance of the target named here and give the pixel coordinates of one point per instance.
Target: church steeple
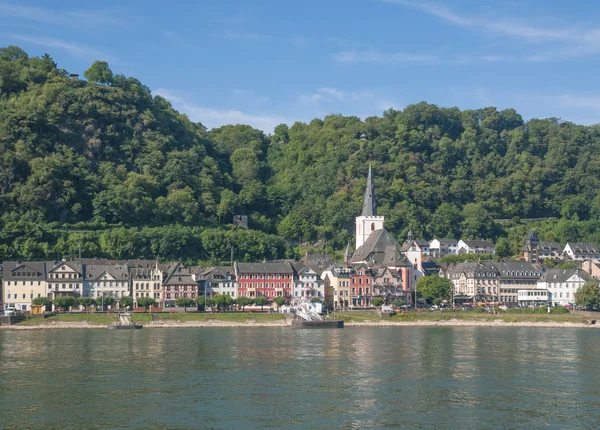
(368, 222)
(369, 204)
(347, 254)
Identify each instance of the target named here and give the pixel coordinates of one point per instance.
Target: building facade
(562, 284)
(22, 282)
(269, 280)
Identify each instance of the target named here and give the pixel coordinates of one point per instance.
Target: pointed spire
(347, 254)
(369, 205)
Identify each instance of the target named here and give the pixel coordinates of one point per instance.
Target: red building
(264, 279)
(361, 286)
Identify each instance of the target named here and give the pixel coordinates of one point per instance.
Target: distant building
(106, 280)
(442, 247)
(308, 283)
(336, 279)
(514, 276)
(474, 281)
(368, 222)
(562, 284)
(64, 278)
(146, 281)
(178, 283)
(592, 268)
(533, 296)
(241, 221)
(476, 247)
(218, 280)
(264, 279)
(22, 282)
(582, 251)
(535, 251)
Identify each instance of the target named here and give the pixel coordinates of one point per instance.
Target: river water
(409, 377)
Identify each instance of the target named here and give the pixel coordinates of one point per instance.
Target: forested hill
(104, 165)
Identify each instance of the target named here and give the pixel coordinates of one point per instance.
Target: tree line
(103, 165)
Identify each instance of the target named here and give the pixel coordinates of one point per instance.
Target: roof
(369, 202)
(317, 261)
(473, 266)
(219, 271)
(479, 243)
(446, 241)
(35, 270)
(518, 270)
(263, 268)
(563, 274)
(583, 248)
(95, 271)
(74, 265)
(550, 246)
(380, 248)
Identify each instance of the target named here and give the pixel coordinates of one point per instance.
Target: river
(359, 377)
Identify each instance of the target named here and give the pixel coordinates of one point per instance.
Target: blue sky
(266, 62)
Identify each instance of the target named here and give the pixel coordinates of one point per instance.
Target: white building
(476, 247)
(308, 284)
(22, 282)
(441, 247)
(533, 296)
(368, 222)
(218, 280)
(562, 284)
(582, 251)
(106, 280)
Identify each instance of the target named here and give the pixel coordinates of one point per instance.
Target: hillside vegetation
(105, 166)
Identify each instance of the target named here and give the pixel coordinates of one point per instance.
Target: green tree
(588, 295)
(86, 302)
(377, 301)
(223, 301)
(145, 302)
(315, 300)
(104, 301)
(244, 301)
(398, 302)
(503, 247)
(126, 302)
(185, 302)
(99, 72)
(280, 301)
(261, 301)
(202, 301)
(434, 287)
(42, 301)
(64, 302)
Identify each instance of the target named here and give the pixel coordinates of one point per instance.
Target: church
(377, 249)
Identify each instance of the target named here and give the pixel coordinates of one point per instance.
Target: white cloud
(375, 56)
(563, 42)
(79, 19)
(212, 117)
(75, 50)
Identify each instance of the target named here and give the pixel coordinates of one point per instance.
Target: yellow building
(22, 282)
(337, 279)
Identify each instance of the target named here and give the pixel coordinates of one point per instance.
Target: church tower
(368, 221)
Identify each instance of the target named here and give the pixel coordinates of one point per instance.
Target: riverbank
(351, 319)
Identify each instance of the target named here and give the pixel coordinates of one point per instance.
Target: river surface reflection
(411, 377)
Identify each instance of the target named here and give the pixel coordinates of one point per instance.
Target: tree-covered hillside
(106, 167)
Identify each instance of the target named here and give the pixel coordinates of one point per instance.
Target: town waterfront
(414, 377)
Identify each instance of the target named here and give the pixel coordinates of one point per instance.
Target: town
(379, 271)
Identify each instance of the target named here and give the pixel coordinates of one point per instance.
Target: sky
(266, 62)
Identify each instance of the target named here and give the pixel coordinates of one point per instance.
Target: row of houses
(23, 281)
(534, 250)
(514, 282)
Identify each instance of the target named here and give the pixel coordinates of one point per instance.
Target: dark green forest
(103, 166)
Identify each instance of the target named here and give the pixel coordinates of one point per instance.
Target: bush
(559, 310)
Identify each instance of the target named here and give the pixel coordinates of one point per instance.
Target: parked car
(9, 311)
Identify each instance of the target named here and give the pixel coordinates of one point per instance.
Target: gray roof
(561, 275)
(550, 246)
(317, 261)
(369, 202)
(95, 271)
(264, 268)
(217, 273)
(176, 274)
(479, 243)
(518, 270)
(447, 241)
(34, 270)
(75, 265)
(583, 248)
(473, 266)
(380, 248)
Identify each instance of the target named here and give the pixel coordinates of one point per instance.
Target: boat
(125, 323)
(308, 317)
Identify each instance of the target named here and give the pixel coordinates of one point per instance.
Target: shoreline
(61, 325)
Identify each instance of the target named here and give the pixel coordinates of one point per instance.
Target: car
(9, 311)
(434, 307)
